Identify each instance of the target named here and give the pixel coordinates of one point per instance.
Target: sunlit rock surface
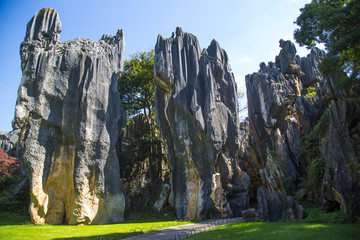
(286, 100)
(196, 109)
(279, 115)
(69, 112)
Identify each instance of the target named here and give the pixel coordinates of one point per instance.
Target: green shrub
(8, 200)
(310, 92)
(319, 215)
(7, 163)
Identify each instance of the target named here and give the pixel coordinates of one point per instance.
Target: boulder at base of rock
(69, 112)
(164, 194)
(250, 214)
(275, 206)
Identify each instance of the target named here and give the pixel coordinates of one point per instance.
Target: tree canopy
(136, 85)
(336, 24)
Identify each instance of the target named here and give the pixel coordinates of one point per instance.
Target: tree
(242, 101)
(136, 85)
(336, 24)
(141, 155)
(7, 163)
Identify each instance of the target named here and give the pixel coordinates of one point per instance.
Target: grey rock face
(250, 214)
(163, 196)
(8, 142)
(275, 206)
(270, 96)
(279, 114)
(196, 109)
(278, 117)
(309, 66)
(69, 112)
(340, 151)
(286, 59)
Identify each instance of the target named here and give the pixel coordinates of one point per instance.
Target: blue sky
(249, 31)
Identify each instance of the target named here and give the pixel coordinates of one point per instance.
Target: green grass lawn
(282, 230)
(319, 225)
(14, 226)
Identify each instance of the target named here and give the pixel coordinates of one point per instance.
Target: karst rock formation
(196, 109)
(69, 112)
(282, 110)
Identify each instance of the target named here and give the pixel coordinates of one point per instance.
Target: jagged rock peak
(44, 26)
(197, 112)
(179, 31)
(279, 115)
(70, 115)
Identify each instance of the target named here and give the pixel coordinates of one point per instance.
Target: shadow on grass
(112, 236)
(282, 230)
(7, 218)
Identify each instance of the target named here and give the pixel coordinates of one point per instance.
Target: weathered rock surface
(278, 117)
(281, 111)
(286, 59)
(309, 66)
(340, 150)
(69, 112)
(8, 142)
(163, 196)
(279, 114)
(250, 214)
(275, 206)
(196, 109)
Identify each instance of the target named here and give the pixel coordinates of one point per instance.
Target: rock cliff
(340, 149)
(290, 105)
(69, 112)
(196, 109)
(279, 115)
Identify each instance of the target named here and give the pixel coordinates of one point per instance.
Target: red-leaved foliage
(7, 162)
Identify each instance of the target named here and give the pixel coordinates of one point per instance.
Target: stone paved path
(179, 232)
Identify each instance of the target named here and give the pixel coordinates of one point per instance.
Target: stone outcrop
(340, 150)
(279, 115)
(69, 112)
(196, 109)
(275, 206)
(8, 142)
(287, 100)
(163, 196)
